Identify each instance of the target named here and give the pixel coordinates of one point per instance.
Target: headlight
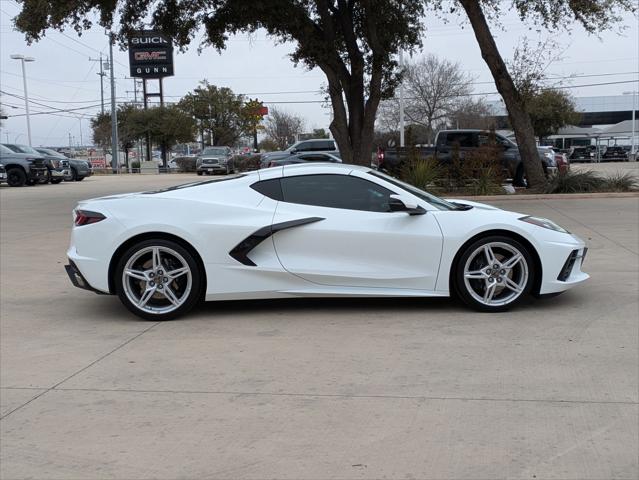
(544, 223)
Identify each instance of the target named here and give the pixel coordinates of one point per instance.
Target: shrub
(245, 163)
(421, 172)
(621, 182)
(186, 164)
(135, 164)
(575, 182)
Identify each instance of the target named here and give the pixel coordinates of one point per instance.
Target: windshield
(215, 151)
(26, 149)
(48, 151)
(432, 199)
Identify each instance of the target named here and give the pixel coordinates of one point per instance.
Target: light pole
(24, 59)
(634, 122)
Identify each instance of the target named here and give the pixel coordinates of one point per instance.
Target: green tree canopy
(354, 42)
(551, 110)
(218, 112)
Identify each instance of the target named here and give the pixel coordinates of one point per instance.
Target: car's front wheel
(16, 177)
(494, 273)
(158, 279)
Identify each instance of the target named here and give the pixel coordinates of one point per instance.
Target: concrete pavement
(310, 389)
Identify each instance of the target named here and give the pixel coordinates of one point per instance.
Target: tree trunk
(519, 118)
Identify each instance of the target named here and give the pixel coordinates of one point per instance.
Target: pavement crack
(345, 395)
(99, 359)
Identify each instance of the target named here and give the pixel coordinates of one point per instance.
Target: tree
(165, 125)
(101, 126)
(218, 111)
(593, 15)
(319, 133)
(282, 127)
(354, 42)
(551, 110)
(471, 113)
(253, 116)
(434, 89)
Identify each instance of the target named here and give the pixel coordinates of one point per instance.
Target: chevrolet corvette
(320, 230)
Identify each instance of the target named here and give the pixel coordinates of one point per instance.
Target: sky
(63, 77)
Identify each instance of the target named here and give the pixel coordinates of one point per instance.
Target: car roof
(313, 168)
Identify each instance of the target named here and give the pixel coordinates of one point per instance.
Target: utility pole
(115, 164)
(101, 74)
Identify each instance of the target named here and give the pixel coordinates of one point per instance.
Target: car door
(347, 235)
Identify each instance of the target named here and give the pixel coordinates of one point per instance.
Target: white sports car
(310, 231)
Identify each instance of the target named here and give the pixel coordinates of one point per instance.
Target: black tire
(458, 280)
(55, 181)
(79, 179)
(16, 177)
(199, 173)
(191, 299)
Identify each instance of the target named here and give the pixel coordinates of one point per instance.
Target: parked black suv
(21, 168)
(55, 170)
(615, 152)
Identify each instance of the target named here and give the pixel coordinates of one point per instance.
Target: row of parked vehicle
(22, 165)
(588, 153)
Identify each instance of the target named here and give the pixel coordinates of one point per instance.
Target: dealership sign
(150, 54)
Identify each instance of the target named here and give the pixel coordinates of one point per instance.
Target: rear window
(270, 188)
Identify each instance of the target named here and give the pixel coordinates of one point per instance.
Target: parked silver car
(215, 160)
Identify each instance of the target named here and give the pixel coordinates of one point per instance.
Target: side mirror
(294, 151)
(399, 203)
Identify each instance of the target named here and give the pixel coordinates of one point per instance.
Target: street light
(634, 123)
(24, 59)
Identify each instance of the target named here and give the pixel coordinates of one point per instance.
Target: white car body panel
(348, 253)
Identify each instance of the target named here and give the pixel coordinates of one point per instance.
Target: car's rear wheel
(494, 273)
(158, 279)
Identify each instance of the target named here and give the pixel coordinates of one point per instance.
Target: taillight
(85, 217)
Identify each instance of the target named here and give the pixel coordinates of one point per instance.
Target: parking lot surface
(314, 389)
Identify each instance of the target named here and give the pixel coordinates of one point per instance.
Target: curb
(552, 196)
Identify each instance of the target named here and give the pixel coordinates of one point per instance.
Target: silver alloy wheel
(496, 274)
(157, 279)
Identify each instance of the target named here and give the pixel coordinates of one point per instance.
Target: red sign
(263, 110)
(98, 162)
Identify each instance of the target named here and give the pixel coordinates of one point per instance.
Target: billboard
(150, 54)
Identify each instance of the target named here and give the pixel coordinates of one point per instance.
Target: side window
(336, 191)
(269, 188)
(327, 145)
(304, 147)
(315, 157)
(460, 139)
